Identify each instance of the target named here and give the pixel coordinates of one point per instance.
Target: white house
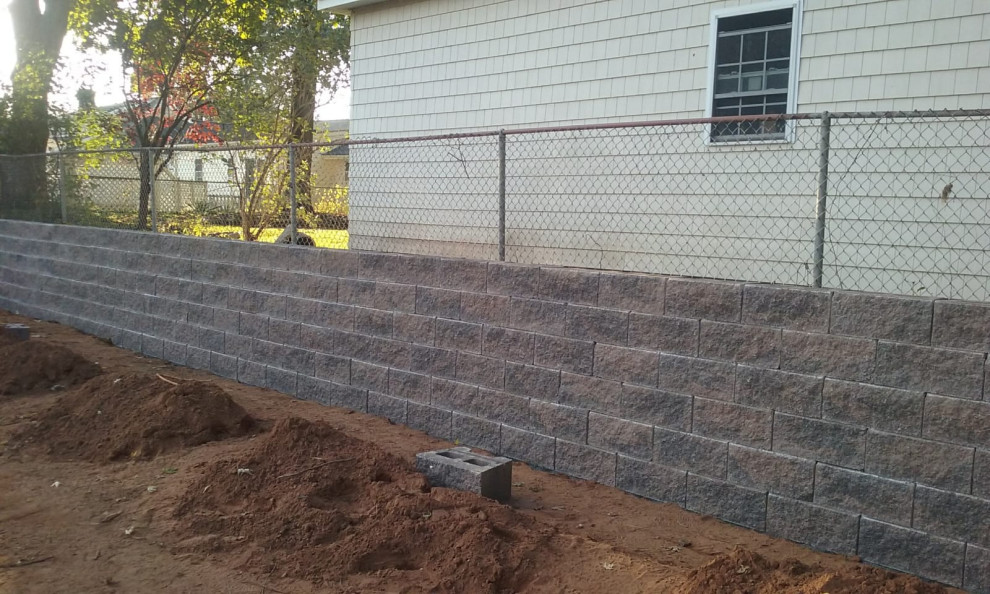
(697, 200)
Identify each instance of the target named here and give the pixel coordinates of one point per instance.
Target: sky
(102, 74)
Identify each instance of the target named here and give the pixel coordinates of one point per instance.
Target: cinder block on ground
(17, 331)
(460, 468)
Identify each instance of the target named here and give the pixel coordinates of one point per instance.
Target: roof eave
(343, 6)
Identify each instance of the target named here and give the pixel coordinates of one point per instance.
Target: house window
(753, 72)
(198, 170)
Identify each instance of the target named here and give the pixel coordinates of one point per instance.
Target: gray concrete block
(663, 333)
(812, 525)
(334, 315)
(725, 501)
(389, 407)
(302, 258)
(251, 373)
(623, 364)
(585, 462)
(375, 322)
(632, 292)
(369, 377)
(433, 361)
(333, 368)
(152, 346)
(767, 471)
(754, 345)
(655, 407)
(532, 448)
(946, 372)
(460, 468)
(178, 289)
(356, 292)
(354, 346)
(952, 515)
(698, 298)
(257, 302)
(340, 263)
(559, 420)
(508, 344)
(824, 441)
(976, 575)
(452, 395)
(545, 317)
(689, 452)
(485, 309)
(886, 409)
(282, 380)
(835, 356)
(415, 269)
(590, 392)
(941, 465)
(130, 340)
(253, 325)
(779, 390)
(911, 551)
(314, 390)
(223, 365)
(226, 320)
(619, 435)
(286, 357)
(513, 279)
(306, 336)
(961, 325)
(460, 336)
(348, 397)
(17, 332)
(167, 308)
(867, 494)
(438, 302)
(428, 419)
(174, 352)
(395, 297)
(476, 432)
(463, 275)
(414, 328)
(238, 346)
(651, 480)
(981, 474)
(308, 286)
(411, 386)
(201, 315)
(569, 285)
(531, 381)
(483, 371)
(890, 317)
(597, 324)
(697, 377)
(957, 421)
(740, 424)
(206, 338)
(195, 358)
(575, 356)
(215, 296)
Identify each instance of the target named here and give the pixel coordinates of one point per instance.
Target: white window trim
(795, 65)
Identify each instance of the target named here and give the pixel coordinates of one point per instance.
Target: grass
(326, 238)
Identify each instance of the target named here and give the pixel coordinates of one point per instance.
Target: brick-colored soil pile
(40, 365)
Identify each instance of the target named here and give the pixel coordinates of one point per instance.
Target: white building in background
(687, 200)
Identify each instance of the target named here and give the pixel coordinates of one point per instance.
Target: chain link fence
(885, 202)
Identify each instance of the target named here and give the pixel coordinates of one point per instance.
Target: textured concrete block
(824, 441)
(340, 263)
(369, 377)
(962, 325)
(585, 462)
(152, 346)
(395, 297)
(483, 371)
(251, 373)
(890, 317)
(590, 392)
(411, 386)
(767, 471)
(532, 448)
(728, 502)
(622, 364)
(981, 474)
(394, 353)
(389, 407)
(195, 358)
(561, 421)
(375, 322)
(755, 345)
(453, 395)
(253, 325)
(651, 480)
(484, 308)
(281, 380)
(314, 390)
(620, 435)
(356, 292)
(655, 407)
(952, 515)
(574, 356)
(508, 344)
(414, 328)
(174, 352)
(911, 551)
(433, 361)
(538, 316)
(513, 279)
(348, 397)
(697, 298)
(355, 346)
(464, 275)
(431, 420)
(333, 368)
(17, 332)
(946, 372)
(438, 302)
(697, 377)
(597, 324)
(976, 577)
(475, 432)
(886, 409)
(941, 465)
(663, 333)
(690, 452)
(460, 468)
(223, 365)
(569, 285)
(957, 421)
(809, 524)
(779, 390)
(178, 289)
(835, 356)
(632, 292)
(531, 381)
(732, 422)
(310, 286)
(867, 494)
(460, 336)
(314, 338)
(783, 307)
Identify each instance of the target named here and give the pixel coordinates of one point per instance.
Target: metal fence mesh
(892, 202)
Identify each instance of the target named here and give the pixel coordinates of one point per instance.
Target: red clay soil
(39, 365)
(321, 505)
(135, 416)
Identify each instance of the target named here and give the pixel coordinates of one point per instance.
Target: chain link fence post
(293, 222)
(501, 195)
(821, 201)
(61, 188)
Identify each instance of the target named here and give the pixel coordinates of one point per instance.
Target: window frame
(797, 7)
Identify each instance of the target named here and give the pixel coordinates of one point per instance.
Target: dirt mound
(311, 502)
(746, 572)
(38, 365)
(136, 416)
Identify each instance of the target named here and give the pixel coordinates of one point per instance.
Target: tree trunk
(144, 192)
(303, 115)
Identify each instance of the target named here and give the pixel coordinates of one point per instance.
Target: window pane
(779, 44)
(777, 65)
(752, 110)
(727, 50)
(752, 82)
(757, 100)
(727, 80)
(753, 46)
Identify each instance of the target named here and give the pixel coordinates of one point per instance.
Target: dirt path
(143, 526)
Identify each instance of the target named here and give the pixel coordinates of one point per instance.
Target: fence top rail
(240, 147)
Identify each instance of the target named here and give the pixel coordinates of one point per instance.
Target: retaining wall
(851, 422)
